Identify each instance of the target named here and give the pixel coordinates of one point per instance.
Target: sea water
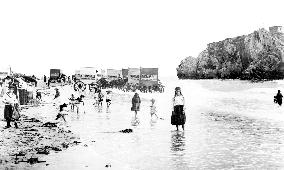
(230, 124)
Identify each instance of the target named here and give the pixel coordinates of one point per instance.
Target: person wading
(178, 114)
(10, 101)
(136, 104)
(278, 98)
(57, 93)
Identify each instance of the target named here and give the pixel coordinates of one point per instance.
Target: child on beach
(72, 102)
(108, 98)
(96, 97)
(38, 95)
(100, 98)
(153, 110)
(80, 104)
(62, 112)
(57, 93)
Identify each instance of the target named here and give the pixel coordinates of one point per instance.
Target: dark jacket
(136, 99)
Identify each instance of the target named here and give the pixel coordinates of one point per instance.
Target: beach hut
(149, 76)
(134, 76)
(113, 74)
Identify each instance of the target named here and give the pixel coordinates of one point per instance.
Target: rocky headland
(256, 56)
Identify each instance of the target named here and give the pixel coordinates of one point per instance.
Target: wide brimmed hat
(64, 105)
(177, 88)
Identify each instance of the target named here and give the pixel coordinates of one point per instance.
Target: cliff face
(254, 56)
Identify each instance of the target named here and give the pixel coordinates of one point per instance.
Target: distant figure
(278, 98)
(10, 101)
(57, 93)
(44, 78)
(178, 114)
(153, 110)
(80, 104)
(48, 82)
(108, 98)
(38, 95)
(96, 98)
(136, 104)
(62, 112)
(72, 102)
(100, 98)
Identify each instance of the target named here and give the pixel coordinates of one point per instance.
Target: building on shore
(134, 76)
(87, 75)
(101, 74)
(148, 76)
(124, 73)
(3, 75)
(113, 74)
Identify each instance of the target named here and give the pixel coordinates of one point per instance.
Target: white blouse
(10, 98)
(178, 100)
(108, 96)
(153, 109)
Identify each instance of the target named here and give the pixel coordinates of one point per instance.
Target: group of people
(178, 117)
(77, 103)
(74, 102)
(144, 89)
(99, 98)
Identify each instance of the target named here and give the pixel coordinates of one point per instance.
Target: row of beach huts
(134, 76)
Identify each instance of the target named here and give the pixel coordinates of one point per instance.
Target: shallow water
(230, 125)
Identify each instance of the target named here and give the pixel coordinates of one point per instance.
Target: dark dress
(8, 112)
(278, 98)
(178, 117)
(136, 103)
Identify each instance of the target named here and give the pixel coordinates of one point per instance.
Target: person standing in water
(178, 114)
(153, 109)
(136, 104)
(108, 98)
(278, 98)
(100, 98)
(62, 112)
(80, 105)
(72, 102)
(57, 93)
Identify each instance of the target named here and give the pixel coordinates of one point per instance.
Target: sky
(36, 35)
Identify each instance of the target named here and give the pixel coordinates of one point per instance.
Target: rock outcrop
(256, 56)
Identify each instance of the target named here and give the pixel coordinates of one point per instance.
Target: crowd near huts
(24, 86)
(131, 79)
(145, 80)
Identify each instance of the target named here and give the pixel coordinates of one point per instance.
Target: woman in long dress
(178, 114)
(136, 104)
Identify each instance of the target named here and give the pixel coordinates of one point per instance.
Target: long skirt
(178, 117)
(135, 107)
(8, 112)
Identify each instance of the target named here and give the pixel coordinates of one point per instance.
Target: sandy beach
(21, 148)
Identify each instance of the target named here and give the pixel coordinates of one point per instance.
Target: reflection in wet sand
(178, 150)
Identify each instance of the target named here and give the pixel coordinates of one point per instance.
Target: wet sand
(21, 148)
